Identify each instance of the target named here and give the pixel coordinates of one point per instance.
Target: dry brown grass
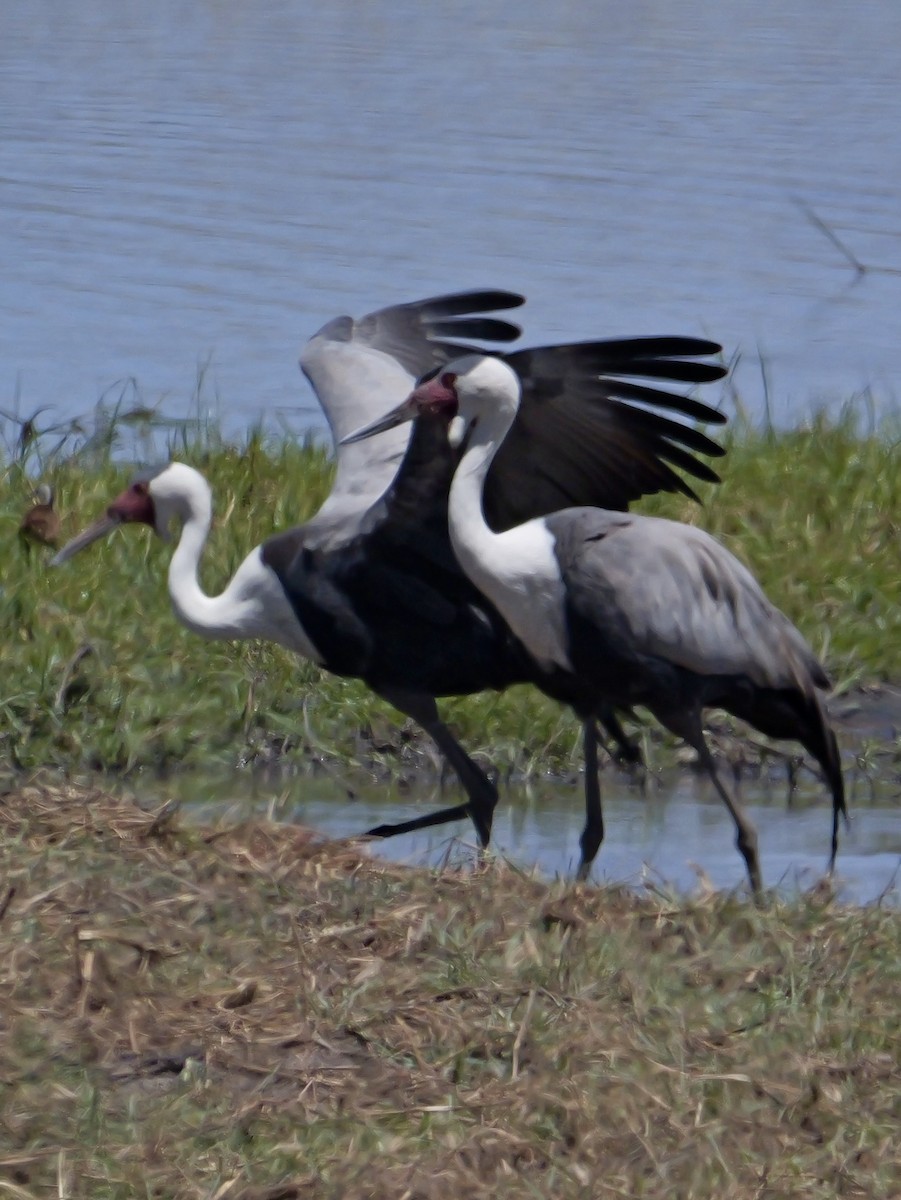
(248, 1012)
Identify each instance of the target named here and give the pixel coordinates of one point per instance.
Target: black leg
(441, 817)
(688, 725)
(627, 751)
(481, 791)
(593, 833)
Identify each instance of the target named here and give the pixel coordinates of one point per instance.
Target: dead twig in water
(830, 233)
(859, 267)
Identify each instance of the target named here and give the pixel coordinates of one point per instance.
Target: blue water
(676, 836)
(206, 184)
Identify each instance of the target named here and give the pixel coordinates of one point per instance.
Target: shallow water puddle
(671, 836)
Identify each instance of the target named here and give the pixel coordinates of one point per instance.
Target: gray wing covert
(360, 369)
(678, 594)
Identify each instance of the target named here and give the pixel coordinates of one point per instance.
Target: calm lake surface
(673, 836)
(197, 183)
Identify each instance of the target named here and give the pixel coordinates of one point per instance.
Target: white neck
(473, 539)
(210, 616)
(252, 605)
(517, 569)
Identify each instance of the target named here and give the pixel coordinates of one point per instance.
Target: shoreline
(187, 1006)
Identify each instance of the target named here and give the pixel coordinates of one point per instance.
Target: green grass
(244, 1013)
(97, 672)
(816, 514)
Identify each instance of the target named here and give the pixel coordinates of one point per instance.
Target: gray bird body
(664, 591)
(635, 609)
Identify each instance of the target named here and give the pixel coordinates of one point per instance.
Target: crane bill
(85, 538)
(397, 416)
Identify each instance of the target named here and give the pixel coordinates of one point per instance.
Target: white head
(177, 491)
(473, 388)
(153, 499)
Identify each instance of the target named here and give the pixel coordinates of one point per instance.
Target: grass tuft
(245, 1011)
(99, 674)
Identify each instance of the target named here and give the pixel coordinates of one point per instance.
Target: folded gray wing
(673, 591)
(587, 433)
(360, 369)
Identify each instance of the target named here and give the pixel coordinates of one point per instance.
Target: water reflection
(673, 836)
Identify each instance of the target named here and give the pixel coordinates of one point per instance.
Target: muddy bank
(867, 720)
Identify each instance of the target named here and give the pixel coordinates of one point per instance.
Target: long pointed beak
(91, 534)
(397, 416)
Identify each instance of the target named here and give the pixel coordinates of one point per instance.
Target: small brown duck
(41, 522)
